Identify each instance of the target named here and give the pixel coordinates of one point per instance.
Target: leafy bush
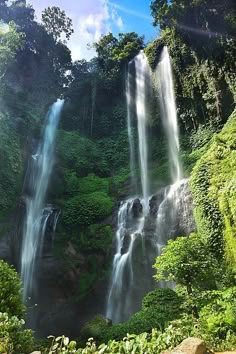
(152, 343)
(159, 308)
(80, 154)
(87, 209)
(186, 261)
(94, 327)
(218, 317)
(86, 185)
(10, 291)
(13, 337)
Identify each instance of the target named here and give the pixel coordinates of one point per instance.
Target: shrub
(80, 154)
(10, 291)
(94, 327)
(13, 338)
(87, 209)
(218, 317)
(86, 185)
(159, 308)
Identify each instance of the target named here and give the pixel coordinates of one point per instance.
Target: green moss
(214, 193)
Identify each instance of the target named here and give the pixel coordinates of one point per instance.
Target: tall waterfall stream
(146, 223)
(37, 215)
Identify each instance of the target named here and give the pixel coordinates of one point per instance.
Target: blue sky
(92, 18)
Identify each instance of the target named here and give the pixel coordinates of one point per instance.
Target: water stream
(169, 112)
(146, 223)
(36, 215)
(142, 74)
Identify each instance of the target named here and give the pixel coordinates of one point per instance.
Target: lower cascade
(37, 216)
(140, 239)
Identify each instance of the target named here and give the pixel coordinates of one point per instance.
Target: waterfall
(169, 112)
(146, 224)
(131, 215)
(36, 216)
(130, 107)
(129, 229)
(142, 74)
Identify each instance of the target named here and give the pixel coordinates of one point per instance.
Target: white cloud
(90, 24)
(91, 19)
(120, 23)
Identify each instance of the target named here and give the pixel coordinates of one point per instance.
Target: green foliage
(218, 317)
(10, 42)
(94, 328)
(11, 164)
(86, 185)
(152, 343)
(86, 209)
(153, 52)
(212, 185)
(57, 23)
(13, 337)
(10, 291)
(186, 261)
(96, 238)
(202, 136)
(159, 308)
(80, 154)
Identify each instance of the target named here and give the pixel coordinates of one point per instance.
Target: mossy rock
(214, 194)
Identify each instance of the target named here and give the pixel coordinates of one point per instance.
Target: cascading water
(169, 112)
(130, 106)
(146, 224)
(130, 227)
(142, 73)
(122, 273)
(37, 216)
(169, 118)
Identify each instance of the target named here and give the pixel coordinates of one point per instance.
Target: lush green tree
(10, 291)
(187, 262)
(10, 42)
(57, 23)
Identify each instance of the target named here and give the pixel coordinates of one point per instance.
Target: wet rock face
(155, 202)
(174, 208)
(137, 208)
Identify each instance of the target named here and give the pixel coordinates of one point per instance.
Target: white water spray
(129, 229)
(36, 216)
(169, 112)
(142, 74)
(130, 106)
(145, 225)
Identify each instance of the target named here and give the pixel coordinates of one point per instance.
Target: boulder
(191, 345)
